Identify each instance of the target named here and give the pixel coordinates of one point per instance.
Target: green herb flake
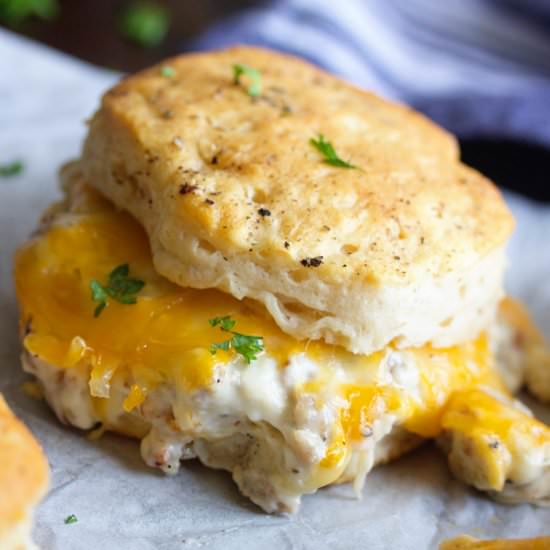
(247, 346)
(226, 323)
(167, 72)
(145, 23)
(11, 169)
(121, 287)
(255, 87)
(71, 519)
(327, 150)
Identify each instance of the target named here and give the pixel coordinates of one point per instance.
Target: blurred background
(481, 68)
(118, 34)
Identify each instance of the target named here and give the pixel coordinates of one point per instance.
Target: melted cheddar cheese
(464, 542)
(165, 337)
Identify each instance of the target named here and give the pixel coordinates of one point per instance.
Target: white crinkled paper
(120, 503)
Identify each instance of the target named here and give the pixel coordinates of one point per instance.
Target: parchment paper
(45, 98)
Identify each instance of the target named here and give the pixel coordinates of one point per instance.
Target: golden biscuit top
(240, 173)
(23, 470)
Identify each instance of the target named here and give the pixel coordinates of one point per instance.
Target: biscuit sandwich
(23, 481)
(263, 267)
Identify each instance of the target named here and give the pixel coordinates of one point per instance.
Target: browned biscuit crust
(234, 196)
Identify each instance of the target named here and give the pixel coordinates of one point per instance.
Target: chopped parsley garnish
(145, 23)
(167, 72)
(11, 169)
(255, 87)
(71, 519)
(120, 287)
(247, 346)
(327, 150)
(225, 323)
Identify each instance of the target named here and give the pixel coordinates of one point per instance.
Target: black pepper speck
(187, 188)
(312, 262)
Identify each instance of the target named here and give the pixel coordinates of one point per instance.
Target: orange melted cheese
(165, 337)
(494, 430)
(474, 412)
(464, 542)
(166, 333)
(442, 372)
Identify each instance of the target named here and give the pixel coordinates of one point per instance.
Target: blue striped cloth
(479, 67)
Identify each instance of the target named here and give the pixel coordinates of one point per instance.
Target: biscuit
(406, 248)
(23, 480)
